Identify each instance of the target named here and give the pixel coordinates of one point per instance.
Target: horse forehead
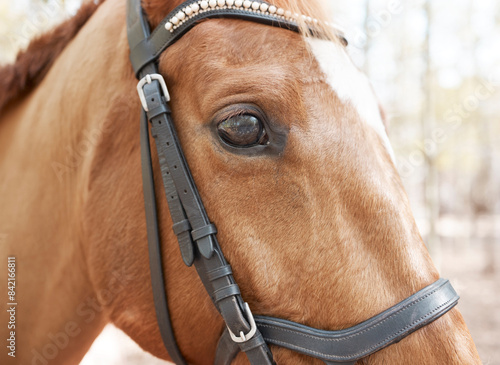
(258, 51)
(351, 86)
(235, 42)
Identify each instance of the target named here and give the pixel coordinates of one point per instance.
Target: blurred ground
(467, 268)
(466, 265)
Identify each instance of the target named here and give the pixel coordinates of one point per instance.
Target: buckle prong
(147, 80)
(253, 328)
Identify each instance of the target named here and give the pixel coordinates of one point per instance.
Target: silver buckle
(253, 328)
(147, 79)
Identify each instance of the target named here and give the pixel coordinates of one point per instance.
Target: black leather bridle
(197, 235)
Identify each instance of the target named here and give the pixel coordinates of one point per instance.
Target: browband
(146, 50)
(197, 235)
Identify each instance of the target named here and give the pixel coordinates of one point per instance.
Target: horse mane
(32, 64)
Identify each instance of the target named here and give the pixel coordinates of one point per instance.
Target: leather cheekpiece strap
(155, 252)
(184, 203)
(224, 289)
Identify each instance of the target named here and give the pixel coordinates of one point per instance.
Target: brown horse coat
(320, 233)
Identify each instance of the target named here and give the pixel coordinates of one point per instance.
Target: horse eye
(242, 131)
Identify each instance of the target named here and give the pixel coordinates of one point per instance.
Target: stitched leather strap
(368, 337)
(352, 344)
(137, 28)
(155, 253)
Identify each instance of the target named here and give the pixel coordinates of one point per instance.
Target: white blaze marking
(349, 84)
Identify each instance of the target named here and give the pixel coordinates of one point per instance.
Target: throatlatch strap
(155, 253)
(138, 28)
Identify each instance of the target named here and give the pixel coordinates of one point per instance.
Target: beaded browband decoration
(187, 15)
(257, 7)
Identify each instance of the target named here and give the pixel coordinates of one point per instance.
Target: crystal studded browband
(189, 13)
(258, 7)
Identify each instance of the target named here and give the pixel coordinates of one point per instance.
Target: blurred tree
(429, 149)
(366, 47)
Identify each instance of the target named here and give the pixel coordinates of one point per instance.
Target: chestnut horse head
(288, 148)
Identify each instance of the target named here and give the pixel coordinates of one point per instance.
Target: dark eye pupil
(240, 130)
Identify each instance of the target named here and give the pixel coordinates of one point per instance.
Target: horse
(318, 228)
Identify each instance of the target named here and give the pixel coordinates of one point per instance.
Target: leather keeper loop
(252, 343)
(162, 108)
(181, 226)
(226, 292)
(203, 232)
(219, 272)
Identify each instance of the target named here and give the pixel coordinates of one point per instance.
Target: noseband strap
(197, 235)
(355, 343)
